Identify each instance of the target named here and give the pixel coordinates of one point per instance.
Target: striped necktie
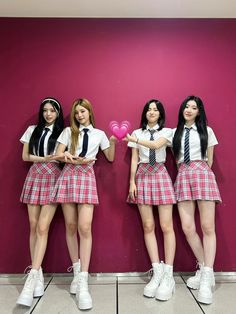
(152, 153)
(186, 146)
(85, 143)
(41, 143)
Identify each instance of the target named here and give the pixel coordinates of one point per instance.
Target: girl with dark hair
(151, 185)
(39, 144)
(77, 192)
(193, 146)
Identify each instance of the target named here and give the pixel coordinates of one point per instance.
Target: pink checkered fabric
(196, 181)
(76, 184)
(39, 183)
(154, 185)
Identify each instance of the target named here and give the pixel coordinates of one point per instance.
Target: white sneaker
(76, 271)
(206, 284)
(27, 294)
(167, 286)
(194, 282)
(39, 287)
(83, 296)
(150, 289)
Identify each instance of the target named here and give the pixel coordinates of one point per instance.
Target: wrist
(137, 140)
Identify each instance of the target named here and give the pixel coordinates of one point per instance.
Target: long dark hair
(201, 124)
(160, 108)
(57, 128)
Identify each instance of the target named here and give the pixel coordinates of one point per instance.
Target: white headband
(54, 100)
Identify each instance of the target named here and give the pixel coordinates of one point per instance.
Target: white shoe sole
(165, 297)
(149, 294)
(38, 292)
(204, 300)
(85, 305)
(193, 286)
(73, 290)
(24, 301)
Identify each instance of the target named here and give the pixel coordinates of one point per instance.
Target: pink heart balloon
(119, 130)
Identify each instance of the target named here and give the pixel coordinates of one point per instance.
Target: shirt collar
(90, 127)
(193, 126)
(50, 127)
(156, 127)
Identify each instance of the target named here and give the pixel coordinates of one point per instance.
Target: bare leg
(148, 222)
(71, 223)
(46, 215)
(186, 212)
(166, 222)
(33, 213)
(207, 218)
(85, 217)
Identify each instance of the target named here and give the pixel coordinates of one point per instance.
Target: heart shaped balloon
(119, 130)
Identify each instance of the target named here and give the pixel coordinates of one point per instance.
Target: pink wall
(118, 65)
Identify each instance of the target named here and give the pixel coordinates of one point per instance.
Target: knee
(148, 227)
(71, 228)
(167, 228)
(85, 230)
(33, 225)
(42, 230)
(189, 230)
(208, 228)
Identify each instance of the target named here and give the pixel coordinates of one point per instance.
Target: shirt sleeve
(167, 133)
(25, 138)
(65, 137)
(132, 144)
(212, 140)
(173, 133)
(104, 144)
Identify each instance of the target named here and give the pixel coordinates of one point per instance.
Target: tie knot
(152, 131)
(85, 130)
(46, 130)
(188, 129)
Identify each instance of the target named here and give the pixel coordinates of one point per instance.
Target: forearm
(111, 151)
(34, 158)
(149, 144)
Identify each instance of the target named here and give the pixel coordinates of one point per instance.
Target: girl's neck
(152, 125)
(189, 123)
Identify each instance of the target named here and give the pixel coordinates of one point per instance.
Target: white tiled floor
(117, 294)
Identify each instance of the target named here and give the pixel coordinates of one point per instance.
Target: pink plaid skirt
(40, 182)
(76, 184)
(154, 185)
(196, 181)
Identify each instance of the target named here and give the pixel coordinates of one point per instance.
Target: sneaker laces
(166, 280)
(29, 281)
(83, 284)
(69, 269)
(27, 271)
(206, 279)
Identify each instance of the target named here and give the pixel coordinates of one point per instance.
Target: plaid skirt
(196, 181)
(76, 184)
(40, 182)
(154, 185)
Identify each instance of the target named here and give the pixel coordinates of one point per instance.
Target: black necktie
(85, 143)
(41, 144)
(152, 153)
(186, 146)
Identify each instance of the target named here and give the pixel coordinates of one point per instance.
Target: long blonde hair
(74, 124)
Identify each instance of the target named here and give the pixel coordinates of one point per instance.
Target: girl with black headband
(39, 144)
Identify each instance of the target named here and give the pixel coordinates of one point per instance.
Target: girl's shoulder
(209, 129)
(166, 131)
(31, 127)
(140, 130)
(98, 131)
(30, 130)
